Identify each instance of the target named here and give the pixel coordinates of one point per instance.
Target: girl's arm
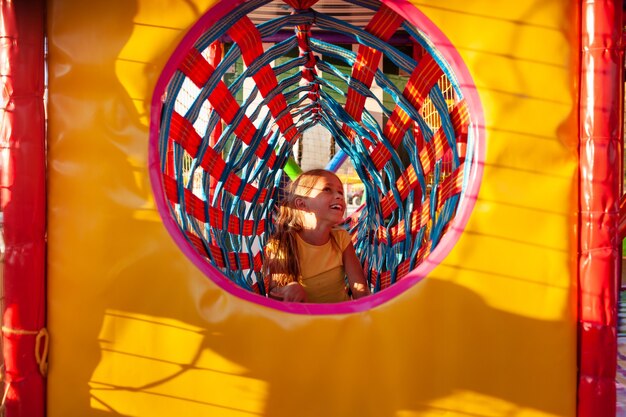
(354, 272)
(293, 292)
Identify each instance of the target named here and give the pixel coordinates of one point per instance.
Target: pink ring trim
(448, 240)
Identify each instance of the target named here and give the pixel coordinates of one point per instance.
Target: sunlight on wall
(173, 354)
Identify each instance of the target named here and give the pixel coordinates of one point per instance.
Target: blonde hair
(282, 261)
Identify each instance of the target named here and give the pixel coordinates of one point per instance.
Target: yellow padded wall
(137, 330)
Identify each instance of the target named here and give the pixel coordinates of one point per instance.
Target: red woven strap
(183, 133)
(420, 217)
(215, 54)
(246, 35)
(408, 180)
(460, 123)
(199, 70)
(169, 159)
(242, 260)
(451, 185)
(397, 125)
(385, 280)
(423, 251)
(309, 72)
(257, 260)
(419, 136)
(199, 209)
(256, 289)
(430, 153)
(303, 33)
(197, 243)
(383, 25)
(401, 270)
(364, 69)
(422, 80)
(300, 4)
(439, 145)
(196, 68)
(246, 192)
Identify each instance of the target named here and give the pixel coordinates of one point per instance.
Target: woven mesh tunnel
(252, 86)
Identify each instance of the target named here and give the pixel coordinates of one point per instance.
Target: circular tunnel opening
(257, 91)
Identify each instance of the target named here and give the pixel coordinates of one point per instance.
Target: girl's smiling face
(325, 200)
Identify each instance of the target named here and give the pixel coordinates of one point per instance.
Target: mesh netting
(246, 93)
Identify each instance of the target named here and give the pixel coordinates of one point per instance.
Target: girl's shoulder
(341, 236)
(338, 231)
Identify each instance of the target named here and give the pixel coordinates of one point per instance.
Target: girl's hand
(354, 271)
(293, 292)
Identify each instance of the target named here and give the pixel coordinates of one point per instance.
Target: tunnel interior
(267, 87)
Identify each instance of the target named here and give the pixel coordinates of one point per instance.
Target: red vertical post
(23, 202)
(600, 152)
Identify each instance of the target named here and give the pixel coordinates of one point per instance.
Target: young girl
(308, 257)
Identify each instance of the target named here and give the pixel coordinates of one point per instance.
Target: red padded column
(601, 113)
(23, 201)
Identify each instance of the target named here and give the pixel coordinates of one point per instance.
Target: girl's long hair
(282, 260)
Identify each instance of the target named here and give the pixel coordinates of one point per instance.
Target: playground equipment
(415, 166)
(488, 235)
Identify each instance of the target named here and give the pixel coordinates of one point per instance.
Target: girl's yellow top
(323, 275)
